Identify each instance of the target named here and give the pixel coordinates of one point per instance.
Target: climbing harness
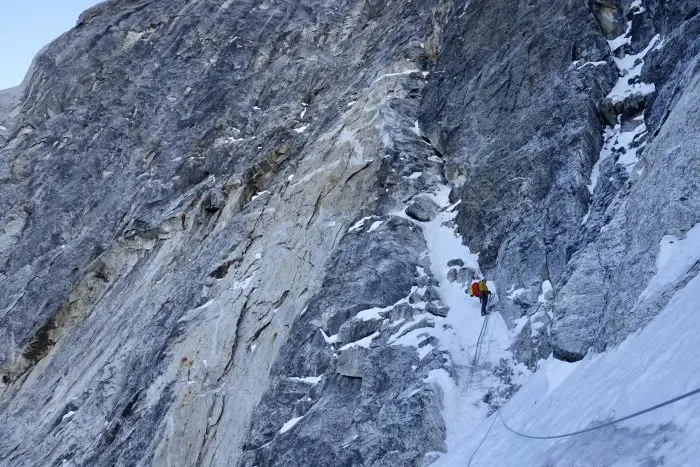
(573, 433)
(477, 352)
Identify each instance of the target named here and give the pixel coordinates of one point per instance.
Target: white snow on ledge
(307, 379)
(400, 73)
(290, 424)
(630, 67)
(359, 224)
(364, 342)
(546, 288)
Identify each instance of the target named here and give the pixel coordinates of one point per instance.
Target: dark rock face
(422, 209)
(204, 256)
(599, 302)
(521, 122)
(368, 384)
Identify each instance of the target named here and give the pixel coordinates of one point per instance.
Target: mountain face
(239, 232)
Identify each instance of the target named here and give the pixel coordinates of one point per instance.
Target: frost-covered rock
(357, 328)
(422, 209)
(436, 310)
(351, 362)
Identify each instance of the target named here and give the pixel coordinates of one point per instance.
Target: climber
(480, 290)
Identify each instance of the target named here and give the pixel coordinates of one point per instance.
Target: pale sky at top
(28, 25)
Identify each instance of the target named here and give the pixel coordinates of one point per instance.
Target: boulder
(350, 362)
(415, 298)
(422, 209)
(355, 329)
(431, 294)
(433, 309)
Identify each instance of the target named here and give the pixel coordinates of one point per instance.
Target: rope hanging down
(477, 352)
(602, 425)
(593, 428)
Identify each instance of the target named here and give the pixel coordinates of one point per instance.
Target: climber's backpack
(474, 290)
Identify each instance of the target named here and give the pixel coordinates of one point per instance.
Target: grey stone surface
(179, 271)
(351, 363)
(512, 110)
(422, 209)
(355, 329)
(146, 278)
(368, 378)
(436, 310)
(431, 294)
(598, 303)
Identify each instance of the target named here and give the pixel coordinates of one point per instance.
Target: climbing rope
(602, 425)
(574, 433)
(482, 440)
(475, 361)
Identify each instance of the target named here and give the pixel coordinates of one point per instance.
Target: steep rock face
(515, 105)
(216, 218)
(178, 177)
(606, 294)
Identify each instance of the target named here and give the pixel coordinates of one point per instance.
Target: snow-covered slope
(654, 365)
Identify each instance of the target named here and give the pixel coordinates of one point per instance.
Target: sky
(28, 25)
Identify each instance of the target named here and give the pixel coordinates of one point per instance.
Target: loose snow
(416, 128)
(546, 288)
(630, 67)
(371, 313)
(459, 331)
(627, 144)
(375, 225)
(359, 224)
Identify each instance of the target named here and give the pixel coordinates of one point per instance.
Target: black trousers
(484, 301)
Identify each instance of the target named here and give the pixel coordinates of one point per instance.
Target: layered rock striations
(216, 217)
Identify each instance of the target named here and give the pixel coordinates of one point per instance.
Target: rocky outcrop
(599, 303)
(422, 209)
(172, 200)
(515, 107)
